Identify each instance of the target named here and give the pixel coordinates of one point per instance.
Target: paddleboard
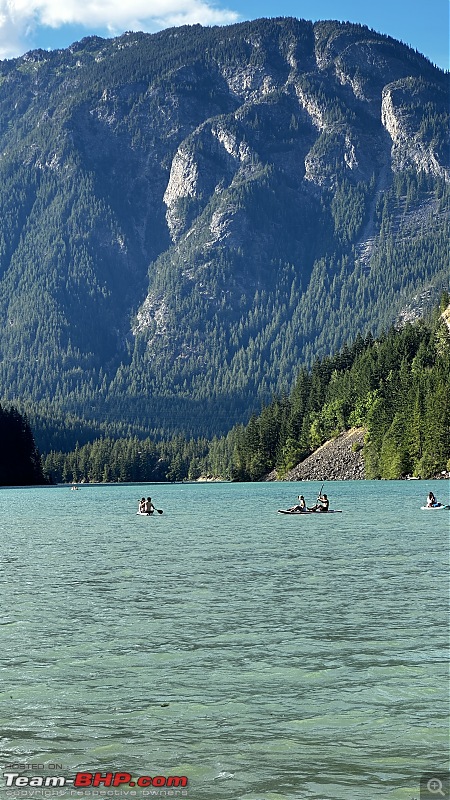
(302, 513)
(439, 507)
(144, 513)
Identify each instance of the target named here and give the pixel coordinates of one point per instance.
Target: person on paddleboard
(141, 508)
(322, 504)
(149, 508)
(431, 500)
(301, 505)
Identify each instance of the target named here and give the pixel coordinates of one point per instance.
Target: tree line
(396, 387)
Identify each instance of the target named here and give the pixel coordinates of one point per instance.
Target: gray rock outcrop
(339, 459)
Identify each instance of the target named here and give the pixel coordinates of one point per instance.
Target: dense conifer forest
(20, 464)
(396, 387)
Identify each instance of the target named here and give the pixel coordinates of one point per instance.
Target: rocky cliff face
(344, 73)
(410, 147)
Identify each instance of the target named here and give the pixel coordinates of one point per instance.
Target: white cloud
(20, 19)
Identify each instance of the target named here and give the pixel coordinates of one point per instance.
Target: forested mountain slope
(378, 409)
(187, 217)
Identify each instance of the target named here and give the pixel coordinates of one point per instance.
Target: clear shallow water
(265, 657)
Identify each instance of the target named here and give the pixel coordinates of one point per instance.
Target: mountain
(188, 217)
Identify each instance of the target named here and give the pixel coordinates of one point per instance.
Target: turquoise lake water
(262, 656)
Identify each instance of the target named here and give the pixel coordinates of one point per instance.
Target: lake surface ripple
(265, 657)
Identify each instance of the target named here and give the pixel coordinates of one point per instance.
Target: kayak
(437, 507)
(302, 513)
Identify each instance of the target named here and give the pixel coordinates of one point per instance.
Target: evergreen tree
(20, 462)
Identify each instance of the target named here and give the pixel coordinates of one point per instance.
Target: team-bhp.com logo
(92, 780)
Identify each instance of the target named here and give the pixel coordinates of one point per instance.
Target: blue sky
(51, 24)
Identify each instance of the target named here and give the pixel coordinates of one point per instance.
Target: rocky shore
(339, 459)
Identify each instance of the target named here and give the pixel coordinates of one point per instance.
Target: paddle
(159, 510)
(314, 508)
